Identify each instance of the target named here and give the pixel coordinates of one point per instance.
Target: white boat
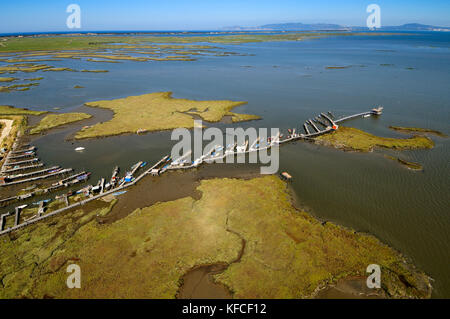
(275, 139)
(79, 149)
(180, 160)
(230, 149)
(367, 115)
(242, 148)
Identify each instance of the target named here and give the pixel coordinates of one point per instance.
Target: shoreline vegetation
(54, 120)
(352, 139)
(11, 110)
(289, 253)
(18, 87)
(156, 112)
(410, 165)
(417, 130)
(18, 125)
(7, 79)
(15, 128)
(27, 54)
(50, 43)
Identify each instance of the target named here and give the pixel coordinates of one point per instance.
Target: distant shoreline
(188, 32)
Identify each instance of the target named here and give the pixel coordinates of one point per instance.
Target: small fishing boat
(255, 145)
(119, 193)
(286, 176)
(230, 149)
(114, 177)
(136, 166)
(197, 162)
(39, 202)
(242, 148)
(79, 149)
(83, 177)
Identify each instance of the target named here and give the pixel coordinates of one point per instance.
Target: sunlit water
(287, 83)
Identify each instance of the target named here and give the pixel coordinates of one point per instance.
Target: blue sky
(50, 15)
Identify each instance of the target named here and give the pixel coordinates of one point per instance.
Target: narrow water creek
(198, 283)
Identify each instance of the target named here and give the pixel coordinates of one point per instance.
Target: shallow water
(287, 83)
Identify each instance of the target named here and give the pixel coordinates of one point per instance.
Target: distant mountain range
(298, 26)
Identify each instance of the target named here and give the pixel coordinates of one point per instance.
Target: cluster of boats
(216, 153)
(220, 151)
(114, 182)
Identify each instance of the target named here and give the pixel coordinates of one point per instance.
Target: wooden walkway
(177, 164)
(80, 203)
(32, 179)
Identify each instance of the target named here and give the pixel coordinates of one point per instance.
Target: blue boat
(119, 193)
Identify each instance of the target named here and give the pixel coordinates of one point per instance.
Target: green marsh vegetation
(288, 252)
(417, 130)
(6, 79)
(23, 67)
(52, 43)
(34, 79)
(410, 165)
(17, 87)
(55, 120)
(349, 138)
(95, 71)
(156, 112)
(10, 110)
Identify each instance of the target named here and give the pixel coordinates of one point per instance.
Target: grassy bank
(288, 254)
(417, 130)
(349, 138)
(410, 165)
(23, 67)
(7, 79)
(18, 116)
(9, 110)
(18, 126)
(54, 120)
(156, 112)
(17, 87)
(99, 42)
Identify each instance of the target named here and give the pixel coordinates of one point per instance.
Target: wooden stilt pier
(17, 215)
(3, 221)
(329, 119)
(66, 200)
(305, 126)
(178, 163)
(41, 208)
(314, 125)
(102, 185)
(32, 154)
(32, 148)
(59, 172)
(21, 162)
(43, 171)
(23, 168)
(136, 167)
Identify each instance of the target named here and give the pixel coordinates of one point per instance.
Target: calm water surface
(287, 83)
